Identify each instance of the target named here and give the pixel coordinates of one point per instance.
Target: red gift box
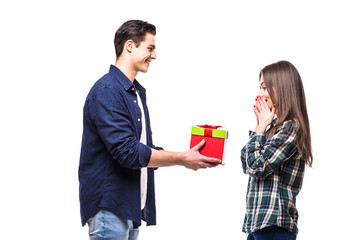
(215, 140)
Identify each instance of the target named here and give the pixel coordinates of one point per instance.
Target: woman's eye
(263, 86)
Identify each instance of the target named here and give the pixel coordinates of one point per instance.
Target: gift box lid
(209, 131)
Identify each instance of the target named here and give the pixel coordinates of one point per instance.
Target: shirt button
(138, 119)
(134, 101)
(132, 89)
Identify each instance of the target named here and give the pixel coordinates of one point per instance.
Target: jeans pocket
(97, 226)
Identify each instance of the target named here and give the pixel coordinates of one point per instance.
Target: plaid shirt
(276, 173)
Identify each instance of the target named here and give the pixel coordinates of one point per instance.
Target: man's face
(144, 53)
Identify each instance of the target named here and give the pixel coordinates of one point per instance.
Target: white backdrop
(209, 57)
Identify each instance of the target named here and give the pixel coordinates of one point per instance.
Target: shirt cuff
(256, 137)
(145, 154)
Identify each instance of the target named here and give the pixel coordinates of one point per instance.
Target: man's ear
(129, 45)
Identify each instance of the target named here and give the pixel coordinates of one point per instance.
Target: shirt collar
(274, 121)
(122, 78)
(272, 124)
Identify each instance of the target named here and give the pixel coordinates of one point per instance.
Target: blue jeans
(272, 233)
(106, 225)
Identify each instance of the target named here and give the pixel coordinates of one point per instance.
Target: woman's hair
(286, 90)
(132, 30)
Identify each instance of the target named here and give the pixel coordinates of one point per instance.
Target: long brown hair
(286, 90)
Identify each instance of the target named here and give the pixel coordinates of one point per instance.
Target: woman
(276, 154)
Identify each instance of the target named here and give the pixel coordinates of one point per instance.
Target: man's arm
(190, 159)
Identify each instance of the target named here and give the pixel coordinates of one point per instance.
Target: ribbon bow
(209, 126)
(208, 129)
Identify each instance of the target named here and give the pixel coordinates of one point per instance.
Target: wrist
(180, 158)
(260, 129)
(175, 158)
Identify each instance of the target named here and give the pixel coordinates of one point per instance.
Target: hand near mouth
(264, 115)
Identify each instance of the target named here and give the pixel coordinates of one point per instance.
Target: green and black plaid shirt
(276, 173)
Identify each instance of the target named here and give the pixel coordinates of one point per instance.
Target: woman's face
(264, 94)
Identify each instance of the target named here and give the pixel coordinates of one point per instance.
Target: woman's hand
(264, 115)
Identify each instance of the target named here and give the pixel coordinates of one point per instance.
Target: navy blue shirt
(111, 153)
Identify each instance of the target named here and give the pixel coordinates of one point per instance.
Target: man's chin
(144, 70)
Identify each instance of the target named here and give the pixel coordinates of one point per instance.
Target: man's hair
(134, 30)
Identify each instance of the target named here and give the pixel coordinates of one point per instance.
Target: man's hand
(194, 160)
(191, 159)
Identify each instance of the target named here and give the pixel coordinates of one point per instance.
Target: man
(117, 161)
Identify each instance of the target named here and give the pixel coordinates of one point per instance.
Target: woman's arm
(261, 157)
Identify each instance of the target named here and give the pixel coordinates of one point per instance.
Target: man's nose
(153, 55)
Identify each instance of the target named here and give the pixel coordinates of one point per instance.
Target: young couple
(118, 157)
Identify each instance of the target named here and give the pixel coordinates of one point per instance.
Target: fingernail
(274, 105)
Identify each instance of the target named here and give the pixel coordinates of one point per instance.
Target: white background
(209, 57)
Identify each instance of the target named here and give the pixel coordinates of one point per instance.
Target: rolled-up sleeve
(114, 125)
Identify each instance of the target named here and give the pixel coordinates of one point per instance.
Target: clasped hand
(264, 115)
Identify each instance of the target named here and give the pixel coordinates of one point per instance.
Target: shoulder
(286, 131)
(288, 126)
(106, 85)
(108, 80)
